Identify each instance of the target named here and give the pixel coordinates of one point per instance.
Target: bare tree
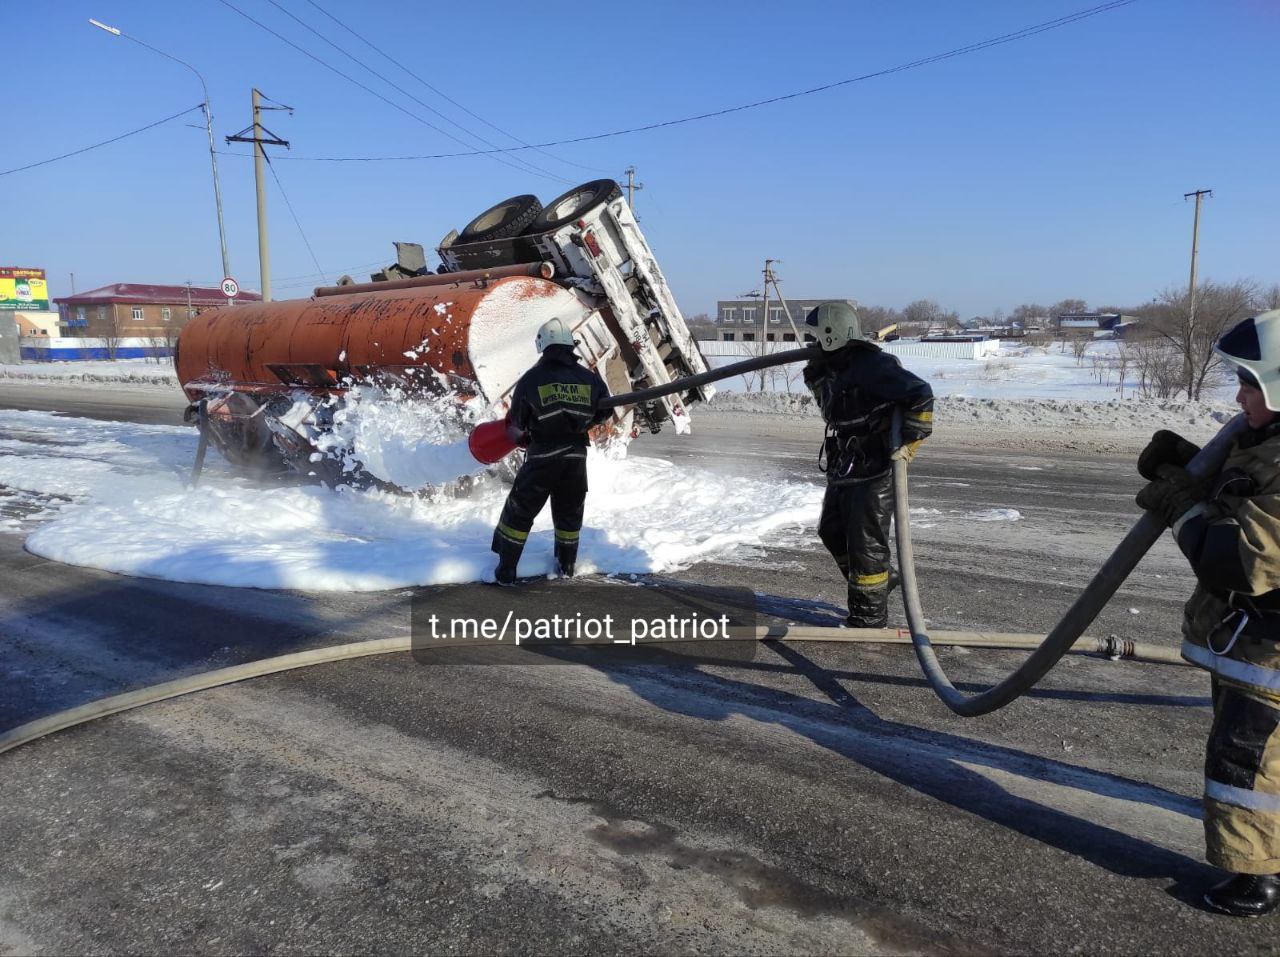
(1068, 307)
(1269, 298)
(1218, 307)
(1123, 360)
(1157, 367)
(111, 335)
(1079, 346)
(1030, 315)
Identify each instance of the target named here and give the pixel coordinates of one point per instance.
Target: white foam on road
(134, 515)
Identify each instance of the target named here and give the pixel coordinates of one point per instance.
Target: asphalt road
(803, 798)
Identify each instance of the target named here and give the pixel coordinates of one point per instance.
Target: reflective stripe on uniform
(1241, 672)
(919, 417)
(1198, 509)
(1241, 797)
(514, 534)
(870, 581)
(566, 536)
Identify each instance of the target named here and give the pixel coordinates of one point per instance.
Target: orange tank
(246, 367)
(481, 332)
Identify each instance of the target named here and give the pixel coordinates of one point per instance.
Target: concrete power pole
(632, 186)
(771, 277)
(1199, 194)
(259, 140)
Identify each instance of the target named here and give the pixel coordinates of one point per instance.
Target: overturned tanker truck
(265, 379)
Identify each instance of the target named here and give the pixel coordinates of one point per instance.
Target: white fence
(73, 348)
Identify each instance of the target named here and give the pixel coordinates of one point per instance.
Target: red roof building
(138, 309)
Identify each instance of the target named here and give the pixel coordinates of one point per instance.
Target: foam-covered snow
(132, 513)
(410, 441)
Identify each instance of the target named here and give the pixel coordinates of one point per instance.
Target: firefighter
(553, 405)
(857, 386)
(1228, 527)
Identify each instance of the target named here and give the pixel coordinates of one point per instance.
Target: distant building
(138, 310)
(1114, 323)
(742, 320)
(37, 322)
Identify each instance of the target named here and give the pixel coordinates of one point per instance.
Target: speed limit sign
(230, 288)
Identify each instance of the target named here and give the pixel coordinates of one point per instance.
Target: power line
(370, 90)
(399, 89)
(114, 139)
(440, 93)
(305, 278)
(980, 45)
(301, 232)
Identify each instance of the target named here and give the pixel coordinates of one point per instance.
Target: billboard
(23, 289)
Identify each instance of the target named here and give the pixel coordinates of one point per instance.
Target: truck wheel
(508, 218)
(573, 204)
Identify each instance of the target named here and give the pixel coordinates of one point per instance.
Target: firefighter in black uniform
(857, 386)
(553, 404)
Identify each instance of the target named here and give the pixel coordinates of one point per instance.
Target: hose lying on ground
(1077, 618)
(1110, 648)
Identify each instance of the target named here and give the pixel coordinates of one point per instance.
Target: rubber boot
(1245, 895)
(566, 558)
(508, 560)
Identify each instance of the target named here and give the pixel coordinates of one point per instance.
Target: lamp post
(208, 125)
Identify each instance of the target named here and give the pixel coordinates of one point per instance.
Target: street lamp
(208, 125)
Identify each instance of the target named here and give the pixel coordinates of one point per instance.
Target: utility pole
(73, 284)
(1195, 245)
(1199, 194)
(188, 300)
(208, 127)
(259, 156)
(632, 186)
(771, 277)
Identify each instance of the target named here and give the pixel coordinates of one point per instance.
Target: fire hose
(1070, 627)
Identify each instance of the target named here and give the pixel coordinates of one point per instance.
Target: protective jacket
(558, 400)
(1231, 626)
(857, 388)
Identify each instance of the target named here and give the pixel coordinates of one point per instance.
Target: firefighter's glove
(1172, 494)
(1165, 448)
(907, 451)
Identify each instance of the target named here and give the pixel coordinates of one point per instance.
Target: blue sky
(1034, 171)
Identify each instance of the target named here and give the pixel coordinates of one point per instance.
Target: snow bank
(122, 371)
(1073, 421)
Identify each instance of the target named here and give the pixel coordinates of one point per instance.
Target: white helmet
(1254, 345)
(835, 325)
(554, 332)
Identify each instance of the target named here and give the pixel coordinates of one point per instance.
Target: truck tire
(508, 218)
(573, 204)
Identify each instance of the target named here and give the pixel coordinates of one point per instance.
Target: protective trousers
(1242, 782)
(559, 472)
(854, 527)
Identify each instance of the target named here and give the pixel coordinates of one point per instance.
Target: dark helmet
(835, 325)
